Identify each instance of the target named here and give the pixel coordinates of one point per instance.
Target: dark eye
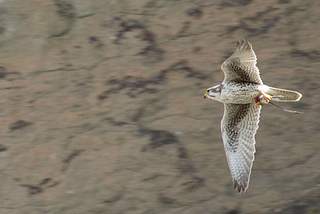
(208, 91)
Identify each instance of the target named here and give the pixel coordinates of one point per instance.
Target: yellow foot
(267, 97)
(262, 99)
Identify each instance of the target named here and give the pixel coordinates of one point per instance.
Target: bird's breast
(239, 93)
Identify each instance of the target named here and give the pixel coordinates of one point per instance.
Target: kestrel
(242, 92)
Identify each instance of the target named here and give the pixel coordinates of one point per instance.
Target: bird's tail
(283, 95)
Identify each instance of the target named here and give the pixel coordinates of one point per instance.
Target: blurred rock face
(102, 106)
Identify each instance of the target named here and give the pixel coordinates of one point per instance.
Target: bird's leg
(262, 99)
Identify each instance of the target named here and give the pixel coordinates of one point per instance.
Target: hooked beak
(205, 95)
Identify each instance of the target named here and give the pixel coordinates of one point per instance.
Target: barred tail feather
(283, 95)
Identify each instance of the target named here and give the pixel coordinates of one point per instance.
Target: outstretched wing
(241, 65)
(238, 127)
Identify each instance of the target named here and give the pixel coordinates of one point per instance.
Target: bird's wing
(241, 65)
(238, 128)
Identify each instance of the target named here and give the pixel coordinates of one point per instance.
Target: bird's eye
(208, 91)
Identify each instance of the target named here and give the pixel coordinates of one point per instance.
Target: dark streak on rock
(126, 26)
(85, 15)
(195, 12)
(131, 25)
(95, 40)
(111, 22)
(4, 73)
(264, 29)
(48, 182)
(186, 166)
(268, 23)
(196, 183)
(65, 8)
(13, 87)
(183, 65)
(182, 152)
(67, 12)
(115, 123)
(19, 125)
(105, 94)
(232, 3)
(139, 14)
(139, 85)
(147, 35)
(88, 68)
(165, 200)
(157, 138)
(184, 29)
(302, 206)
(233, 211)
(114, 199)
(39, 188)
(70, 157)
(296, 163)
(292, 10)
(3, 148)
(259, 15)
(154, 176)
(303, 161)
(53, 184)
(45, 181)
(311, 55)
(283, 1)
(136, 117)
(33, 189)
(152, 48)
(196, 49)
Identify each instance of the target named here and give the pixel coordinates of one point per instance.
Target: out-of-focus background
(102, 107)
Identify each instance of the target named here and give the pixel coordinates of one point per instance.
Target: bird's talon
(267, 97)
(262, 99)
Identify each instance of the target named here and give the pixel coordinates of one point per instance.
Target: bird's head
(213, 92)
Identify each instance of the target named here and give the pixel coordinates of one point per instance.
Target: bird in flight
(243, 93)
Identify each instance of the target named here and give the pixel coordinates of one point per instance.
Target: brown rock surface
(102, 108)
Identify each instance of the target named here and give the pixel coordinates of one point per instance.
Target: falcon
(243, 93)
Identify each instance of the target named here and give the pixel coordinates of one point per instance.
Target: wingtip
(249, 45)
(244, 45)
(238, 44)
(299, 96)
(240, 187)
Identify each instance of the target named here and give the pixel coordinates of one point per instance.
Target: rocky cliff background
(102, 107)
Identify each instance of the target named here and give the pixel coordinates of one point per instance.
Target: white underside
(232, 93)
